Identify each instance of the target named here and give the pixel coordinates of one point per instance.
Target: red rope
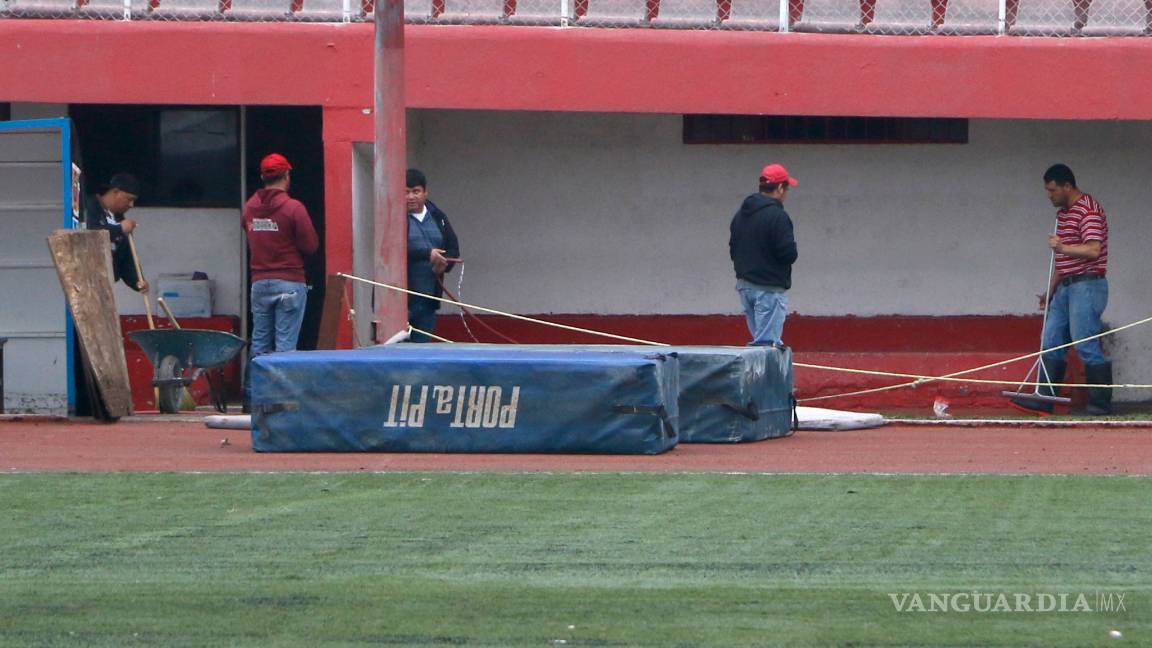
(469, 313)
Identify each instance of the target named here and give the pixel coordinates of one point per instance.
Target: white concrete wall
(363, 233)
(38, 111)
(599, 213)
(182, 241)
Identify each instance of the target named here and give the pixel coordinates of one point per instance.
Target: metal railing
(1052, 18)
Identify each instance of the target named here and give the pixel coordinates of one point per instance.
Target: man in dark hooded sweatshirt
(763, 249)
(280, 234)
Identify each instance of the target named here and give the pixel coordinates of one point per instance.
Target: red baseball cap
(777, 173)
(274, 165)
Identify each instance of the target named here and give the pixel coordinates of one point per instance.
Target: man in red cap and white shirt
(280, 234)
(763, 249)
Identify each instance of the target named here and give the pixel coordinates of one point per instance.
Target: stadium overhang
(578, 69)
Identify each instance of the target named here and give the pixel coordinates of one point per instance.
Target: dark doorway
(296, 132)
(185, 156)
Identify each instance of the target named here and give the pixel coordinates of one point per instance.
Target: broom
(1038, 367)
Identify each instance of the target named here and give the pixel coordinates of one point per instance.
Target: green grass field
(428, 559)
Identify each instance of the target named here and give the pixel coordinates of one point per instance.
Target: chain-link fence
(909, 17)
(192, 10)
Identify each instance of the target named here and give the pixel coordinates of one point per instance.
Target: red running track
(142, 445)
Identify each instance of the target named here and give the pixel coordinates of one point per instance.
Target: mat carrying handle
(658, 411)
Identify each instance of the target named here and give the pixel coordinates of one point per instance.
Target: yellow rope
(918, 379)
(925, 379)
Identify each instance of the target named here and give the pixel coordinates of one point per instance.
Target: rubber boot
(1055, 372)
(1099, 398)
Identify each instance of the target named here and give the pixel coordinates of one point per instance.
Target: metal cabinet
(38, 189)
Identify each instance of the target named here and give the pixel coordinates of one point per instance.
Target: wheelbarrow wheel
(169, 394)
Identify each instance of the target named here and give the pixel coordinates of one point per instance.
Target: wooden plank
(335, 311)
(83, 264)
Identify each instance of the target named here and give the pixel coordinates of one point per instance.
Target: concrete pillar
(389, 213)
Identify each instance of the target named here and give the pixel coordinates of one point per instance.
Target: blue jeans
(277, 313)
(421, 315)
(765, 308)
(1073, 314)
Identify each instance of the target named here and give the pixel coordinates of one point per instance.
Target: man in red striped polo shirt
(1079, 291)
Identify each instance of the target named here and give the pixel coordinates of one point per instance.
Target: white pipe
(399, 337)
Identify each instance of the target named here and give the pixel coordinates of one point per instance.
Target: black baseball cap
(125, 182)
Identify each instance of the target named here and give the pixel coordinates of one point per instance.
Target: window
(184, 156)
(199, 158)
(765, 129)
(5, 111)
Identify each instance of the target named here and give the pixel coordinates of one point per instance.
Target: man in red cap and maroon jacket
(280, 233)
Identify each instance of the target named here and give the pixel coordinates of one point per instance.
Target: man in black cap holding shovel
(105, 210)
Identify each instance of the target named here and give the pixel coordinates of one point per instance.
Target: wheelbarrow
(180, 355)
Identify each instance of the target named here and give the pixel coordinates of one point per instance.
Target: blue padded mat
(734, 394)
(436, 398)
(728, 394)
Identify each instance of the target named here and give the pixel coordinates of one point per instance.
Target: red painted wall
(531, 68)
(922, 346)
(886, 334)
